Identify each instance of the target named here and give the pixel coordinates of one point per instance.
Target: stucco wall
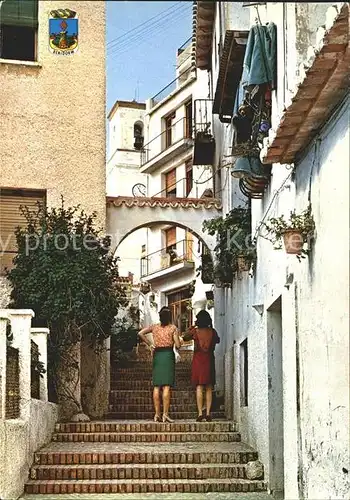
(324, 315)
(311, 399)
(18, 442)
(52, 115)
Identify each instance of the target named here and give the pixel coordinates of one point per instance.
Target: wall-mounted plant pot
(293, 241)
(242, 263)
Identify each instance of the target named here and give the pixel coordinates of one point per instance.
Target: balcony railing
(203, 116)
(167, 257)
(180, 80)
(184, 45)
(178, 131)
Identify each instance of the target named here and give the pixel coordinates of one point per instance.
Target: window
(179, 303)
(170, 238)
(189, 177)
(189, 246)
(170, 184)
(244, 372)
(18, 29)
(188, 119)
(138, 135)
(11, 218)
(169, 135)
(170, 244)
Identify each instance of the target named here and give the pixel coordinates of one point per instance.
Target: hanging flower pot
(242, 263)
(293, 241)
(294, 232)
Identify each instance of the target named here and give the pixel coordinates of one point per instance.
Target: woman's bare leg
(156, 400)
(166, 399)
(199, 397)
(208, 397)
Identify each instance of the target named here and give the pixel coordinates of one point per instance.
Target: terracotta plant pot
(293, 241)
(242, 263)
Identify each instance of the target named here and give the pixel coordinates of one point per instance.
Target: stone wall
(52, 115)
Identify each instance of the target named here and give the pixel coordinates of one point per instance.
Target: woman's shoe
(166, 418)
(200, 418)
(208, 418)
(157, 418)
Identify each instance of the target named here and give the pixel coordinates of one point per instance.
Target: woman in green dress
(165, 336)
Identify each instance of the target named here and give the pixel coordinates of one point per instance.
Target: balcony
(171, 142)
(173, 259)
(204, 142)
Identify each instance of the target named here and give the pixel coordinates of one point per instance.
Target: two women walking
(165, 337)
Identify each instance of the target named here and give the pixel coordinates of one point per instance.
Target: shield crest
(63, 32)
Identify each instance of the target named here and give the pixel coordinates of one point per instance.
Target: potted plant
(294, 232)
(233, 241)
(246, 259)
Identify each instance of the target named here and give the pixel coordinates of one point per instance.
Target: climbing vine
(233, 241)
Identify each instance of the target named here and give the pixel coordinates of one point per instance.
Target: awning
(19, 13)
(230, 72)
(325, 83)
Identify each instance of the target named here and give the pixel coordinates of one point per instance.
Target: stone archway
(127, 214)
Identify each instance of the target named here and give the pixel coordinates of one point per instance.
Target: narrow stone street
(128, 453)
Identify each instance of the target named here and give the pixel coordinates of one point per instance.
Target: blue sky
(140, 63)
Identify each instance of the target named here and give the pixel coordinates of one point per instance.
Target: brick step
(146, 437)
(136, 471)
(130, 384)
(140, 373)
(174, 408)
(138, 368)
(177, 426)
(144, 486)
(147, 376)
(148, 453)
(139, 393)
(134, 399)
(148, 415)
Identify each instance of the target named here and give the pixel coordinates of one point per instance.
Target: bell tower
(126, 127)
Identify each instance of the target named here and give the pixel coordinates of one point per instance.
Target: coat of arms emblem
(63, 30)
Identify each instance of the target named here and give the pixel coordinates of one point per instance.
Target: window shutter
(19, 13)
(170, 180)
(170, 236)
(11, 218)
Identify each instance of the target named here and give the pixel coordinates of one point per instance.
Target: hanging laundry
(260, 60)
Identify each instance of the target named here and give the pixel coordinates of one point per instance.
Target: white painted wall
(315, 300)
(20, 438)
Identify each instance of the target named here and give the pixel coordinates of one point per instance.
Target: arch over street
(127, 214)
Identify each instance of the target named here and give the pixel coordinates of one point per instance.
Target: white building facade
(152, 158)
(284, 357)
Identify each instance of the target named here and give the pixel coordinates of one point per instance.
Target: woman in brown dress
(203, 362)
(165, 335)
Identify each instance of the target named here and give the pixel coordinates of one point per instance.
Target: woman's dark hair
(204, 320)
(165, 316)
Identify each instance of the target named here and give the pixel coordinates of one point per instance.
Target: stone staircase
(129, 453)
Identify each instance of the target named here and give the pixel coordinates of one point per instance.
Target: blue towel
(259, 64)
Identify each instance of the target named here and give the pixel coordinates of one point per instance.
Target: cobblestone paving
(157, 496)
